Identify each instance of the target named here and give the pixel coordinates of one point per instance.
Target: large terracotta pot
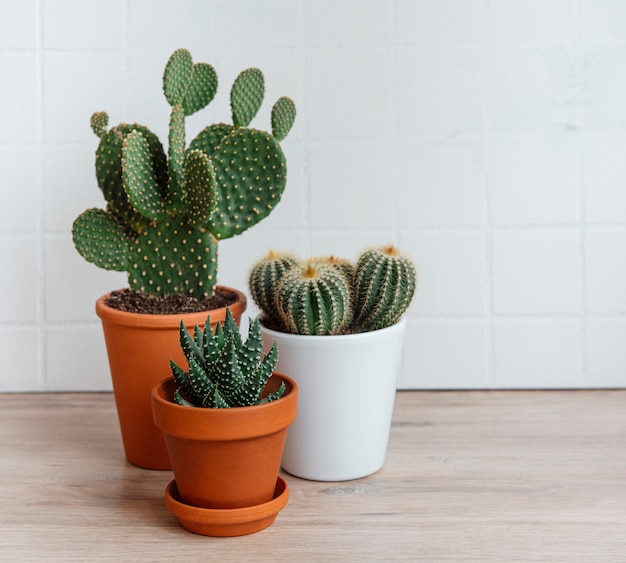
(226, 461)
(347, 392)
(139, 348)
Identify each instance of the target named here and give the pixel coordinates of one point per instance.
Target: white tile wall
(543, 353)
(487, 139)
(536, 271)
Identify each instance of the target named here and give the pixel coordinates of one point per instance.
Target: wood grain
(470, 476)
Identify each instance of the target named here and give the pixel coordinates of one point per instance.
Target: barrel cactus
(265, 275)
(313, 299)
(224, 371)
(384, 285)
(166, 214)
(331, 295)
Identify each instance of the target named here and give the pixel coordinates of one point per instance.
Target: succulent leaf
(246, 96)
(275, 395)
(189, 345)
(201, 386)
(100, 239)
(283, 116)
(180, 400)
(182, 378)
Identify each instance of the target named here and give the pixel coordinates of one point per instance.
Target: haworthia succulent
(223, 370)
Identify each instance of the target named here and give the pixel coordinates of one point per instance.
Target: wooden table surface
(470, 476)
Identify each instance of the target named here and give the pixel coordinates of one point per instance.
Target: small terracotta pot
(225, 458)
(139, 348)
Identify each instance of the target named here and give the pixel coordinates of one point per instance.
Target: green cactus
(224, 371)
(166, 214)
(384, 285)
(342, 265)
(331, 295)
(265, 275)
(313, 300)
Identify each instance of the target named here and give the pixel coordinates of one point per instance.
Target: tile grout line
(583, 321)
(489, 324)
(305, 198)
(40, 208)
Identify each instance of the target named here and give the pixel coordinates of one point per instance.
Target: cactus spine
(331, 295)
(223, 370)
(166, 214)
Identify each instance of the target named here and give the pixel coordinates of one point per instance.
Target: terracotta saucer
(226, 521)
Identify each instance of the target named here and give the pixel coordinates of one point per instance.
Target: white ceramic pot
(347, 389)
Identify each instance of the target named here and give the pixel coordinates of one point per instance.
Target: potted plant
(339, 326)
(162, 223)
(225, 421)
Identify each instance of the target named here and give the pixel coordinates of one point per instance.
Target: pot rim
(202, 423)
(126, 318)
(381, 332)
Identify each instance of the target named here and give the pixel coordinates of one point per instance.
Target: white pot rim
(337, 337)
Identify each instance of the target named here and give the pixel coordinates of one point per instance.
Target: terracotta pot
(347, 392)
(225, 458)
(139, 348)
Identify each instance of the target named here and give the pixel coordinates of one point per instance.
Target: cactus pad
(99, 123)
(199, 187)
(192, 86)
(138, 177)
(109, 171)
(283, 116)
(251, 173)
(246, 96)
(173, 258)
(100, 239)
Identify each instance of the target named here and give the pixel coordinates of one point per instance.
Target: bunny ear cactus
(166, 214)
(224, 371)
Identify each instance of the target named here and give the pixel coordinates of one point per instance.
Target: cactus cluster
(224, 371)
(166, 214)
(330, 295)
